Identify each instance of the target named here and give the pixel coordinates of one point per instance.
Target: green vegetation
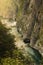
(9, 54)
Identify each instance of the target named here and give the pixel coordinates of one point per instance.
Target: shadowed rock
(26, 40)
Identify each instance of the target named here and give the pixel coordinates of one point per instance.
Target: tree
(6, 41)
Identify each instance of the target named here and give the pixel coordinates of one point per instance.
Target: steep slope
(30, 22)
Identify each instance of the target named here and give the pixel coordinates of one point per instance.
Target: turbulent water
(13, 30)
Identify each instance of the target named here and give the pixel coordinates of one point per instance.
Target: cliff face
(30, 20)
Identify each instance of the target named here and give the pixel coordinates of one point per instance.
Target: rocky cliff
(30, 21)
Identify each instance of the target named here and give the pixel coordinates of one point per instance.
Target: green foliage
(6, 40)
(9, 54)
(16, 59)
